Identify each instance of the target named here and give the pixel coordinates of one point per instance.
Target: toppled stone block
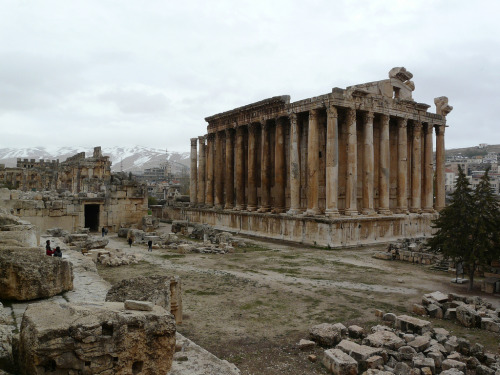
(419, 309)
(409, 324)
(306, 344)
(95, 339)
(450, 363)
(375, 362)
(325, 334)
(420, 343)
(452, 371)
(424, 362)
(468, 317)
(138, 305)
(435, 311)
(383, 255)
(339, 363)
(356, 332)
(407, 352)
(384, 339)
(359, 352)
(489, 324)
(27, 273)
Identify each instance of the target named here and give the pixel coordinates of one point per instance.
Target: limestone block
(374, 362)
(450, 314)
(435, 311)
(383, 255)
(407, 352)
(419, 309)
(410, 324)
(438, 297)
(97, 338)
(489, 324)
(359, 352)
(468, 317)
(356, 332)
(450, 363)
(4, 194)
(27, 273)
(437, 357)
(452, 371)
(138, 305)
(325, 334)
(339, 363)
(384, 339)
(402, 368)
(306, 344)
(419, 362)
(484, 370)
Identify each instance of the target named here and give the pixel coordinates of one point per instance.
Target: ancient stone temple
(354, 166)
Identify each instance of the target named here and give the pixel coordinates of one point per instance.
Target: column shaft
(279, 167)
(440, 187)
(252, 172)
(351, 193)
(265, 185)
(209, 201)
(368, 165)
(402, 166)
(294, 167)
(428, 170)
(416, 169)
(219, 182)
(229, 183)
(193, 185)
(332, 162)
(240, 168)
(384, 171)
(312, 164)
(201, 171)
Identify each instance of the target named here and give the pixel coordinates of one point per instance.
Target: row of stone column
(207, 189)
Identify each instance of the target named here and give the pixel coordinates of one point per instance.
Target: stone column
(201, 171)
(252, 172)
(428, 170)
(312, 164)
(440, 188)
(229, 183)
(294, 167)
(384, 171)
(332, 162)
(264, 171)
(351, 191)
(402, 166)
(209, 201)
(240, 169)
(193, 173)
(219, 183)
(279, 167)
(416, 169)
(368, 165)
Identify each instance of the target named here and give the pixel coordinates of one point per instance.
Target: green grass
(251, 305)
(201, 292)
(171, 256)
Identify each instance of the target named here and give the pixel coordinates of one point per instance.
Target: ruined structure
(349, 167)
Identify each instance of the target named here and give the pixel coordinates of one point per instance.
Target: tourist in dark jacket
(48, 250)
(58, 252)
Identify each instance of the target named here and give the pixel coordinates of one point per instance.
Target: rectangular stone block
(339, 363)
(409, 324)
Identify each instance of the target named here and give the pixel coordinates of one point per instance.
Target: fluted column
(368, 165)
(351, 193)
(265, 185)
(294, 167)
(219, 183)
(209, 200)
(229, 181)
(428, 170)
(252, 172)
(201, 171)
(312, 164)
(193, 173)
(416, 169)
(402, 166)
(384, 171)
(332, 162)
(440, 187)
(240, 168)
(279, 167)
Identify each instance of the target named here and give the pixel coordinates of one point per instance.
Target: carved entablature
(442, 107)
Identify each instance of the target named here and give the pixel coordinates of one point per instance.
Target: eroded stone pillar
(428, 170)
(209, 200)
(240, 168)
(229, 180)
(416, 169)
(440, 187)
(312, 164)
(193, 175)
(384, 171)
(332, 162)
(252, 172)
(368, 165)
(279, 166)
(219, 167)
(201, 171)
(265, 185)
(351, 193)
(402, 166)
(294, 167)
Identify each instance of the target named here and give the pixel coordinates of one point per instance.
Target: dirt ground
(251, 307)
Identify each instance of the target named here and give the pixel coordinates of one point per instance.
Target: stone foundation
(321, 231)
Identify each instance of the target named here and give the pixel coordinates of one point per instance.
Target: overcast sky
(98, 72)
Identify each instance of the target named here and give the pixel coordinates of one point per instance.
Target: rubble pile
(162, 240)
(83, 241)
(113, 258)
(471, 312)
(404, 345)
(409, 250)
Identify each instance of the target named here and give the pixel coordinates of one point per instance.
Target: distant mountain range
(126, 159)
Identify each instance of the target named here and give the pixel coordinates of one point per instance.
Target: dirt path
(252, 306)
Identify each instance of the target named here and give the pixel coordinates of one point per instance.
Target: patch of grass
(250, 248)
(201, 292)
(287, 256)
(251, 305)
(171, 256)
(286, 271)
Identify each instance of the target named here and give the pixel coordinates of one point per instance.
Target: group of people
(48, 250)
(131, 241)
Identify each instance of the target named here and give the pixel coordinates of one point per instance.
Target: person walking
(130, 241)
(103, 231)
(150, 245)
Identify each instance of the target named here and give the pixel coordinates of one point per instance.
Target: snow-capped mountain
(127, 159)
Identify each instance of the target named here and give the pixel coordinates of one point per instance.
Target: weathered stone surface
(138, 305)
(339, 363)
(374, 362)
(438, 297)
(410, 324)
(359, 352)
(484, 370)
(17, 232)
(435, 311)
(407, 352)
(27, 273)
(306, 344)
(424, 362)
(420, 343)
(402, 369)
(489, 324)
(384, 339)
(450, 363)
(452, 371)
(468, 317)
(95, 339)
(325, 334)
(6, 357)
(419, 309)
(437, 357)
(356, 332)
(155, 289)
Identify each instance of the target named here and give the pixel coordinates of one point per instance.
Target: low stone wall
(321, 231)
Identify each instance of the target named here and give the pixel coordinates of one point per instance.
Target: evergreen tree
(468, 229)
